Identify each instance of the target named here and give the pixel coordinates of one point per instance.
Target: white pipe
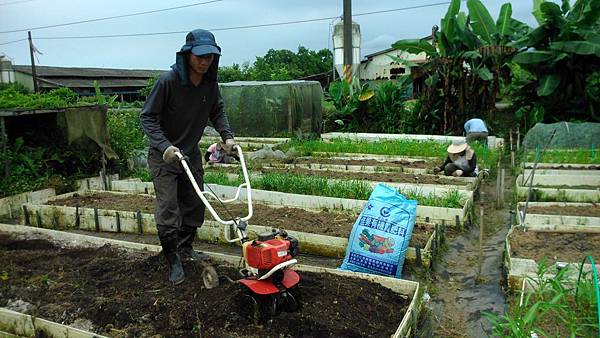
(277, 267)
(201, 193)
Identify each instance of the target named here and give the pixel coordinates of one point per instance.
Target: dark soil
(338, 224)
(126, 294)
(563, 247)
(588, 211)
(422, 164)
(366, 176)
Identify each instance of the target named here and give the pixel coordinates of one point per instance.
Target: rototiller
(269, 285)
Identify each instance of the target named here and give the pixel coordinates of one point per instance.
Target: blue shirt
(475, 126)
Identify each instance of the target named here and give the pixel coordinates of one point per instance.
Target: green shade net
(273, 108)
(568, 135)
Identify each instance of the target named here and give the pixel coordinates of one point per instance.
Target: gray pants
(481, 136)
(178, 207)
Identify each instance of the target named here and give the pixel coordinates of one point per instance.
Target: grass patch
(320, 186)
(486, 157)
(583, 156)
(553, 309)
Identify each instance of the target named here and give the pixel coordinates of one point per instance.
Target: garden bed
(493, 141)
(451, 216)
(320, 232)
(134, 299)
(547, 194)
(568, 166)
(582, 181)
(527, 247)
(561, 216)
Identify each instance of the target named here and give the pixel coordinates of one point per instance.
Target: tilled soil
(338, 224)
(591, 211)
(126, 294)
(563, 247)
(366, 176)
(420, 164)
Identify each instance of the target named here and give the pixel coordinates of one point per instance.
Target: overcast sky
(378, 31)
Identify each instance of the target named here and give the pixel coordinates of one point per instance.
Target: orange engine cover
(265, 255)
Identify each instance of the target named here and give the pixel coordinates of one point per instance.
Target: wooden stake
(480, 240)
(502, 188)
(512, 158)
(518, 138)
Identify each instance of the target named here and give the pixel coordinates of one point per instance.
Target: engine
(270, 249)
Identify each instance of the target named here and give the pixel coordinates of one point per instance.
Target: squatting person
(461, 160)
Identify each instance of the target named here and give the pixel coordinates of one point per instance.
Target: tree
(465, 64)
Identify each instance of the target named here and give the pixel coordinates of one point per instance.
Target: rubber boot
(176, 274)
(186, 237)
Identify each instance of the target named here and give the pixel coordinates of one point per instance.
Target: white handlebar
(212, 211)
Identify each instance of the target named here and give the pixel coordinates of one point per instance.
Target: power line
(9, 42)
(14, 2)
(110, 17)
(229, 28)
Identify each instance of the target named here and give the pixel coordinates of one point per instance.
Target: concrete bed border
(558, 222)
(466, 183)
(568, 166)
(11, 206)
(568, 195)
(541, 180)
(437, 190)
(520, 269)
(451, 216)
(16, 324)
(407, 288)
(104, 220)
(493, 142)
(561, 172)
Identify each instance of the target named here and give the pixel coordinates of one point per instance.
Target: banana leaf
(485, 74)
(504, 20)
(551, 13)
(577, 47)
(537, 13)
(415, 46)
(481, 21)
(531, 57)
(548, 85)
(449, 20)
(587, 13)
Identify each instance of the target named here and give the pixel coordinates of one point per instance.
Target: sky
(378, 31)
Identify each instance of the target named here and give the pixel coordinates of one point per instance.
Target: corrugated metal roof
(89, 83)
(50, 72)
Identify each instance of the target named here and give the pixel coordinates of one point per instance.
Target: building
(382, 65)
(124, 82)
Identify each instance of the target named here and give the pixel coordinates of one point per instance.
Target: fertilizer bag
(381, 234)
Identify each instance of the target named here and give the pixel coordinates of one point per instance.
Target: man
(174, 116)
(476, 130)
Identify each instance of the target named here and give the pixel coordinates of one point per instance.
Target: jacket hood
(198, 42)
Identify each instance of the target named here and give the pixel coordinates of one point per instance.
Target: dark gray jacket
(176, 112)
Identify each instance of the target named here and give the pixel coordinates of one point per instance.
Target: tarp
(567, 135)
(273, 108)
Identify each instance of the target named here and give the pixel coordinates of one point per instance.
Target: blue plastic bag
(381, 234)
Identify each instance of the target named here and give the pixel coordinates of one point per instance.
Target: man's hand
(436, 170)
(169, 154)
(229, 148)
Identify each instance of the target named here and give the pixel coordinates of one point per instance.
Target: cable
(14, 2)
(230, 28)
(6, 43)
(111, 17)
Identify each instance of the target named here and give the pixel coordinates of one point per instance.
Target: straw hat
(457, 146)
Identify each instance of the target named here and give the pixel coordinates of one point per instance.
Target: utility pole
(33, 73)
(348, 37)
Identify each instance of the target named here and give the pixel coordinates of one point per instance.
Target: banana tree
(465, 61)
(562, 53)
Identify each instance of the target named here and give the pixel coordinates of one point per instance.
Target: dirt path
(459, 293)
